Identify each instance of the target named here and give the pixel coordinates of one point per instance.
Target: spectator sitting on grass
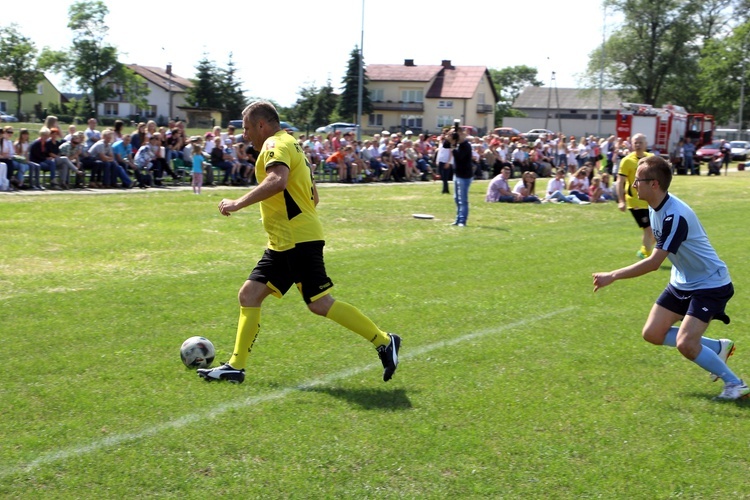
(606, 187)
(556, 187)
(579, 184)
(498, 189)
(525, 188)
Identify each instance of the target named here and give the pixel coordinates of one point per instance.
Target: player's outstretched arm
(277, 176)
(647, 265)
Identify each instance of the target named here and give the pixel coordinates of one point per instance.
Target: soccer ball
(197, 352)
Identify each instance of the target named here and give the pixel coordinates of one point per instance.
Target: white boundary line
(111, 441)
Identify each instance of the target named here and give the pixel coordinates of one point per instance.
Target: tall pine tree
(233, 98)
(350, 94)
(206, 89)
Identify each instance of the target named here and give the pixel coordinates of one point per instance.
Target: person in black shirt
(462, 176)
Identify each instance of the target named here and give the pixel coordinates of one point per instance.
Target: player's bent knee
(689, 349)
(321, 306)
(653, 337)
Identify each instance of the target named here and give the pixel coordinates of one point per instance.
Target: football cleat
(223, 372)
(726, 349)
(388, 355)
(732, 392)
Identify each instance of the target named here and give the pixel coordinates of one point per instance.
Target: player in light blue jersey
(699, 287)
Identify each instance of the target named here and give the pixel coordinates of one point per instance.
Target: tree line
(687, 52)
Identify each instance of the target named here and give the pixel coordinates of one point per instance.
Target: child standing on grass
(198, 160)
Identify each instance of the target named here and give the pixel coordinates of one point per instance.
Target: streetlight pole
(169, 72)
(601, 75)
(360, 84)
(549, 100)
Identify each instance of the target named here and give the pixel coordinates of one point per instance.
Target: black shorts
(704, 304)
(302, 265)
(641, 217)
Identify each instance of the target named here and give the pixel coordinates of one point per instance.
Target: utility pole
(360, 85)
(601, 76)
(169, 72)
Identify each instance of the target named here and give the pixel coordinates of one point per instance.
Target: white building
(570, 111)
(167, 94)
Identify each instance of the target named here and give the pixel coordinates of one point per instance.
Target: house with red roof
(428, 98)
(166, 96)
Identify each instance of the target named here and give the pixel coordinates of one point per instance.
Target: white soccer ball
(197, 352)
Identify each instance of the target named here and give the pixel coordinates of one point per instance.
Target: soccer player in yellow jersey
(627, 196)
(288, 197)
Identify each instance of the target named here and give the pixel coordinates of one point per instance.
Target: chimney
(408, 62)
(447, 64)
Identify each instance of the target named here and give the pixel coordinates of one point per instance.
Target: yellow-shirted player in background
(288, 197)
(627, 196)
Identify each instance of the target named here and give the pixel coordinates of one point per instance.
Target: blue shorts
(705, 304)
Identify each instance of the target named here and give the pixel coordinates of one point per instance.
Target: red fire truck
(664, 127)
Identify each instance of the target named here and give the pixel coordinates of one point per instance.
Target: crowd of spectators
(111, 158)
(149, 156)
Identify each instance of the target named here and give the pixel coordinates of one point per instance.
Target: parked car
(740, 150)
(537, 133)
(284, 125)
(507, 132)
(333, 127)
(708, 151)
(7, 118)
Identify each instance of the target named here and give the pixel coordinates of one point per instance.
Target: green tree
(301, 113)
(91, 62)
(510, 81)
(206, 89)
(723, 75)
(325, 105)
(349, 99)
(233, 97)
(653, 52)
(17, 62)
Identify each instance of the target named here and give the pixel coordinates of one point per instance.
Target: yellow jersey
(628, 166)
(288, 217)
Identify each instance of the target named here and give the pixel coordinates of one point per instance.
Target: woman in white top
(572, 155)
(561, 159)
(579, 184)
(444, 160)
(526, 188)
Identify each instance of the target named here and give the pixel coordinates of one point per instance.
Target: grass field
(516, 381)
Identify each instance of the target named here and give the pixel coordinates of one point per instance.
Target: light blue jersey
(695, 264)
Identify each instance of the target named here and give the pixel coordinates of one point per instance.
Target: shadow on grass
(369, 399)
(494, 228)
(740, 403)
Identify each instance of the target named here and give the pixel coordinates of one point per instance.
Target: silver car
(7, 118)
(740, 150)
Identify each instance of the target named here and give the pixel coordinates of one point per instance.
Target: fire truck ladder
(662, 133)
